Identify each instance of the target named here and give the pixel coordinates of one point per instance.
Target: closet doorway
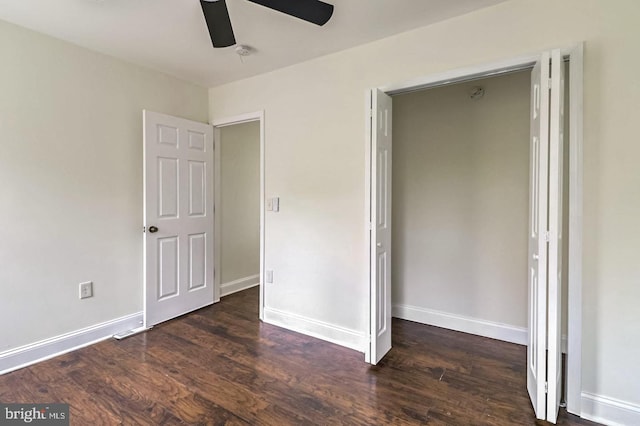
(478, 227)
(460, 206)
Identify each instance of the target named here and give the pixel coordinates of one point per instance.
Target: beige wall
(71, 182)
(240, 201)
(315, 161)
(460, 199)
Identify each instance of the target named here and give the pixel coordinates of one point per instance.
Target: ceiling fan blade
(314, 11)
(218, 22)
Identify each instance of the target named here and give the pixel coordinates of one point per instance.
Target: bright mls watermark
(34, 414)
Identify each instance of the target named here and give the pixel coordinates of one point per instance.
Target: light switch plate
(268, 276)
(269, 204)
(276, 204)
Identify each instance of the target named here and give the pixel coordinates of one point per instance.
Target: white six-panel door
(178, 216)
(380, 250)
(538, 184)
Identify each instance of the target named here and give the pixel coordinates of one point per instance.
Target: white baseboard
(491, 329)
(39, 351)
(318, 329)
(609, 411)
(239, 285)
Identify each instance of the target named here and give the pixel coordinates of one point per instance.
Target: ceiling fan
(219, 23)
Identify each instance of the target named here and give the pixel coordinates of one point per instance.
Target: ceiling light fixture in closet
(476, 92)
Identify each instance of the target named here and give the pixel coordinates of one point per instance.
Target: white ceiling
(171, 35)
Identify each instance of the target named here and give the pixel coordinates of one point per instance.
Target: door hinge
(144, 229)
(370, 226)
(546, 236)
(550, 81)
(546, 387)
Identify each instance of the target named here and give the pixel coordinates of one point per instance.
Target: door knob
(379, 244)
(153, 229)
(536, 257)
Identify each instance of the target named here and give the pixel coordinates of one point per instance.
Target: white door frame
(576, 71)
(217, 125)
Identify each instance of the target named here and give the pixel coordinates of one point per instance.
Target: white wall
(71, 182)
(315, 162)
(240, 201)
(460, 200)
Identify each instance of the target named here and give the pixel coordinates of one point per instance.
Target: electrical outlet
(268, 277)
(86, 290)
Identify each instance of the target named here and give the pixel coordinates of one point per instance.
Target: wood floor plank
(267, 377)
(222, 366)
(328, 383)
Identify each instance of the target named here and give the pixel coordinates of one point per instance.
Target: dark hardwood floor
(220, 365)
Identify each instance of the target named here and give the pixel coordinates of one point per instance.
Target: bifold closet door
(545, 236)
(380, 226)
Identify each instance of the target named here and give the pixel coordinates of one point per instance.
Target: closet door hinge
(550, 84)
(546, 387)
(546, 235)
